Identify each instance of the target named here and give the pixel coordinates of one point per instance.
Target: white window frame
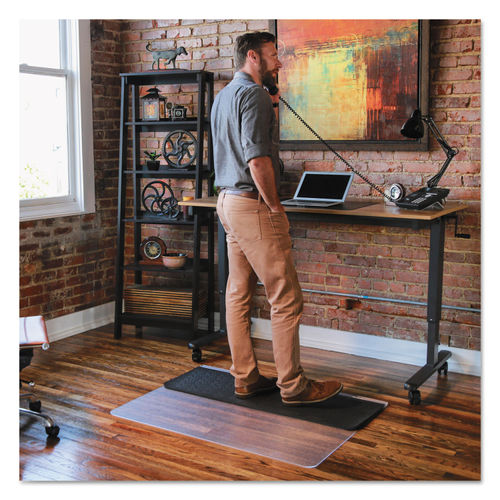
(75, 54)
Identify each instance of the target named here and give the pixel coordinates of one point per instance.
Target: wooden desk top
(372, 209)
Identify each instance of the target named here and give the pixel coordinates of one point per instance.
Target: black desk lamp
(430, 195)
(414, 129)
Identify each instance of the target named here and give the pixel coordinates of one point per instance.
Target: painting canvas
(350, 80)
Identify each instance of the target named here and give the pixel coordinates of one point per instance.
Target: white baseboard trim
(80, 321)
(401, 351)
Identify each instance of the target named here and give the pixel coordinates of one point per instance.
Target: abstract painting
(352, 81)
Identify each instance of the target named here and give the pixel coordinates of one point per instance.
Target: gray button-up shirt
(244, 126)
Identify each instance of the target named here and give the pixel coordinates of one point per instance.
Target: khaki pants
(259, 248)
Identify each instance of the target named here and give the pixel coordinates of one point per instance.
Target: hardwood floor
(80, 379)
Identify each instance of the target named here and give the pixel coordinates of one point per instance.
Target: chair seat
(33, 332)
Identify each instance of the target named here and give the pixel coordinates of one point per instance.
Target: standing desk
(374, 214)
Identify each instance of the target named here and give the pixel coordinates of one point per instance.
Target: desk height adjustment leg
(436, 360)
(223, 273)
(196, 345)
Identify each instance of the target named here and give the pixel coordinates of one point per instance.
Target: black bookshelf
(131, 172)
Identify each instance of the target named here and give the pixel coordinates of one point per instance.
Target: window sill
(35, 211)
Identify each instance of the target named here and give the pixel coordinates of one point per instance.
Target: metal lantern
(153, 105)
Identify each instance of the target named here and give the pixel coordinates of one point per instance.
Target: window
(56, 158)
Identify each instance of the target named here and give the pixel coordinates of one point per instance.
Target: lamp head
(414, 126)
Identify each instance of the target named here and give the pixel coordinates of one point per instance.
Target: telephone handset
(417, 200)
(272, 89)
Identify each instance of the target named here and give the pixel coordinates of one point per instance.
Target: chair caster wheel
(196, 355)
(52, 431)
(443, 369)
(414, 397)
(35, 406)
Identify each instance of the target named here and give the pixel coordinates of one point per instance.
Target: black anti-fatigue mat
(342, 411)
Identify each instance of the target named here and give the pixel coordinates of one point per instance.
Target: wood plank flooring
(82, 378)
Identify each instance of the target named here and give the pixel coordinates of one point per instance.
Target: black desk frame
(436, 360)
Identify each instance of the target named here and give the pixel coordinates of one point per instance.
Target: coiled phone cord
(374, 186)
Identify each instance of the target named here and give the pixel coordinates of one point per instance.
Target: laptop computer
(321, 189)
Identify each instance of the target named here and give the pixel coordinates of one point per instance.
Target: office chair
(33, 334)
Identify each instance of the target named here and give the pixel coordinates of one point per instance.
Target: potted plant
(152, 163)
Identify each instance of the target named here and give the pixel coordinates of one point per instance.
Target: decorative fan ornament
(180, 149)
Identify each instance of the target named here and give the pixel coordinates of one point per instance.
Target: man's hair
(250, 41)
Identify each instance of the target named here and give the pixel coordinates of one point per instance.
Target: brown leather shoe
(315, 392)
(263, 384)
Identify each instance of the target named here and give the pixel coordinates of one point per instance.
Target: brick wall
(388, 262)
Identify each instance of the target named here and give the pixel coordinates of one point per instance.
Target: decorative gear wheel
(180, 149)
(158, 199)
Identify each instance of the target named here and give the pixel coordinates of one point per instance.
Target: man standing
(246, 147)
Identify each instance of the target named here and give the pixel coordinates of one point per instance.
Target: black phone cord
(374, 186)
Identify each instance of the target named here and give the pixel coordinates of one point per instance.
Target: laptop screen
(324, 186)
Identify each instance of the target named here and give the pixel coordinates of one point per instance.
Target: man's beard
(266, 76)
(268, 80)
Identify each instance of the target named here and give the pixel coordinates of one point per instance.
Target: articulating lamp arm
(450, 152)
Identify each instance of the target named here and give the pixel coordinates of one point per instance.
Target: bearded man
(246, 147)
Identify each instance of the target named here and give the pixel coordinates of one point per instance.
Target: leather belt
(245, 194)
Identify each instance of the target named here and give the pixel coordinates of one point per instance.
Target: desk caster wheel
(414, 397)
(196, 356)
(52, 431)
(35, 406)
(443, 369)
